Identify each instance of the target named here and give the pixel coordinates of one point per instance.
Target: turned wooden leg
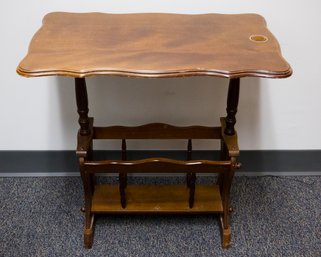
(82, 105)
(225, 180)
(87, 179)
(232, 103)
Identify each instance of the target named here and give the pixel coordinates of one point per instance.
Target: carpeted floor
(273, 216)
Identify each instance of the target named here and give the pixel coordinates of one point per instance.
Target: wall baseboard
(254, 162)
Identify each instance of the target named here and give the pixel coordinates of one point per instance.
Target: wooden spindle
(188, 158)
(123, 150)
(191, 176)
(124, 158)
(189, 150)
(123, 176)
(192, 190)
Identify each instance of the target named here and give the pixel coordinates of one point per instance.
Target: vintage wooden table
(155, 46)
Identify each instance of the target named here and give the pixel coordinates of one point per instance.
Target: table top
(154, 45)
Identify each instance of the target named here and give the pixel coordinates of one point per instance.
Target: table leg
(87, 178)
(225, 180)
(232, 103)
(82, 105)
(89, 216)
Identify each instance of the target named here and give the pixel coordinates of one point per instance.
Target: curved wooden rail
(157, 131)
(157, 165)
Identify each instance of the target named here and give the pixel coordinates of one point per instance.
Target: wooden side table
(155, 46)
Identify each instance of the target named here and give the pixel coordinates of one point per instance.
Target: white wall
(40, 114)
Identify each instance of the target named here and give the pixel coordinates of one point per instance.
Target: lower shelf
(157, 199)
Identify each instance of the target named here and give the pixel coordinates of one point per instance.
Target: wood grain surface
(154, 45)
(157, 199)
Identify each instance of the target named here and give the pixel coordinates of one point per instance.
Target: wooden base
(157, 199)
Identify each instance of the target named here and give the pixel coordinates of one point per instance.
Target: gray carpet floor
(273, 216)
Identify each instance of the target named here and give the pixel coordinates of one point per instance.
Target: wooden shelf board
(157, 199)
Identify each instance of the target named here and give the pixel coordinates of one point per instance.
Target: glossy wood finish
(157, 199)
(154, 45)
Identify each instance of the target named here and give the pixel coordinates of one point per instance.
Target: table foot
(225, 234)
(88, 234)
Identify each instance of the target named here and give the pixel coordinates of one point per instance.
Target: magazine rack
(155, 46)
